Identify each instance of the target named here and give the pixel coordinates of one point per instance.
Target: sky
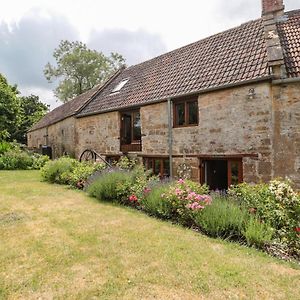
(139, 30)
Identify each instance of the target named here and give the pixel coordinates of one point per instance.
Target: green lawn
(59, 243)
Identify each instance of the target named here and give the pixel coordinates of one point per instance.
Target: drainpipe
(170, 137)
(47, 140)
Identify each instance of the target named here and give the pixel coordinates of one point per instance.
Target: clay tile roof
(289, 33)
(66, 110)
(233, 56)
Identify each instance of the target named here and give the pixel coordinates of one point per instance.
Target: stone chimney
(273, 12)
(274, 7)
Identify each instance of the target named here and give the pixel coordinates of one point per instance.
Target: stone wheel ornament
(88, 155)
(184, 171)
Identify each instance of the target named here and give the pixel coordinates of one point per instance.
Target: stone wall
(59, 136)
(36, 138)
(230, 122)
(99, 132)
(286, 139)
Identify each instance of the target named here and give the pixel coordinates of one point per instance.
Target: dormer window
(120, 85)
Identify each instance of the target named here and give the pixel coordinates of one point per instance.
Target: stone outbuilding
(222, 110)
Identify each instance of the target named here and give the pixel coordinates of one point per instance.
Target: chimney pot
(272, 6)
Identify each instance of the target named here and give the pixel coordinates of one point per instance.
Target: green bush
(5, 146)
(153, 204)
(223, 219)
(276, 204)
(183, 198)
(59, 170)
(257, 233)
(81, 172)
(17, 159)
(39, 161)
(108, 186)
(126, 163)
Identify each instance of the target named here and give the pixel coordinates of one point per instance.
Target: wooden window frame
(186, 112)
(135, 145)
(229, 175)
(161, 168)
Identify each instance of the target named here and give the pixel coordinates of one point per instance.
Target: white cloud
(46, 95)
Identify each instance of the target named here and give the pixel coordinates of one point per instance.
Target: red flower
(297, 229)
(133, 198)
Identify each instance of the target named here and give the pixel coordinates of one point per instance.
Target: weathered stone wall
(59, 136)
(286, 138)
(99, 132)
(36, 138)
(230, 122)
(154, 122)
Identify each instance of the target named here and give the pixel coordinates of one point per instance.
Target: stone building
(225, 109)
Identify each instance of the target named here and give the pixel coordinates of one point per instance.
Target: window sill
(184, 126)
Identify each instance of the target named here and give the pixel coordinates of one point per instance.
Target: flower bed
(265, 216)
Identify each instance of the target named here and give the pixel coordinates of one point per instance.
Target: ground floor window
(219, 174)
(159, 166)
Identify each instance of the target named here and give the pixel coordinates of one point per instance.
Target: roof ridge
(193, 43)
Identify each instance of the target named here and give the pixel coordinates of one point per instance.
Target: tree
(9, 109)
(31, 111)
(79, 68)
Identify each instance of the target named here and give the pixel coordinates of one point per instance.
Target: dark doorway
(216, 174)
(219, 174)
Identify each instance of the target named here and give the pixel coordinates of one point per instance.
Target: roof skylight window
(120, 85)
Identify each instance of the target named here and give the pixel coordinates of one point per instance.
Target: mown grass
(59, 243)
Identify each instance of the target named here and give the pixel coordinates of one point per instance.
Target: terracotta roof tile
(236, 55)
(289, 33)
(66, 110)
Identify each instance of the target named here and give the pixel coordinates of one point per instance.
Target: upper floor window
(131, 135)
(186, 112)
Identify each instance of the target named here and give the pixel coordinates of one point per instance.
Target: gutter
(197, 92)
(286, 80)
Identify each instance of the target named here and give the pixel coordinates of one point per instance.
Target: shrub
(39, 161)
(59, 170)
(81, 172)
(5, 146)
(17, 159)
(257, 233)
(183, 198)
(223, 219)
(153, 204)
(276, 204)
(126, 163)
(108, 186)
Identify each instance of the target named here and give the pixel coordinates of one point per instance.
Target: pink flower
(178, 191)
(195, 206)
(147, 190)
(180, 181)
(133, 198)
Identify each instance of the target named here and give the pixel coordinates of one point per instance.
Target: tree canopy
(9, 109)
(79, 68)
(17, 113)
(31, 111)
